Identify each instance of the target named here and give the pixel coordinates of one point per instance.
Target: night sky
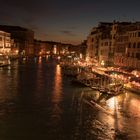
(67, 21)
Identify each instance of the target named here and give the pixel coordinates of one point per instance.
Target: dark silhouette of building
(23, 38)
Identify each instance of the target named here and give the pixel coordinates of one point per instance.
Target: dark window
(114, 37)
(134, 45)
(138, 46)
(129, 45)
(138, 56)
(101, 52)
(106, 43)
(132, 55)
(138, 34)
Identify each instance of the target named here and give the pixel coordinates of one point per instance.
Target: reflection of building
(23, 38)
(5, 42)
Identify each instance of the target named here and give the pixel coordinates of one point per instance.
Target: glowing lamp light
(55, 49)
(58, 57)
(69, 56)
(102, 62)
(80, 55)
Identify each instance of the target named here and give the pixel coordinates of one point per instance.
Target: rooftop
(12, 28)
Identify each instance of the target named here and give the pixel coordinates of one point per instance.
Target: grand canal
(37, 102)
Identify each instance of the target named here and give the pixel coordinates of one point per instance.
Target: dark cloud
(27, 8)
(69, 20)
(72, 27)
(68, 33)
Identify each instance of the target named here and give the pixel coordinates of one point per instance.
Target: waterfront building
(52, 48)
(115, 44)
(95, 40)
(127, 52)
(104, 49)
(5, 42)
(23, 38)
(133, 49)
(91, 44)
(120, 55)
(83, 49)
(42, 47)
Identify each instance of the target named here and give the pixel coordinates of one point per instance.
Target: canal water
(37, 102)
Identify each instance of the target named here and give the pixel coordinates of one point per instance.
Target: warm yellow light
(80, 55)
(58, 57)
(39, 61)
(102, 63)
(57, 85)
(55, 49)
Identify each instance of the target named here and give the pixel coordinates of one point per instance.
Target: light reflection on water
(38, 102)
(125, 119)
(56, 97)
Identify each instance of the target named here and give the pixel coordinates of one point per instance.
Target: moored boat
(4, 60)
(113, 89)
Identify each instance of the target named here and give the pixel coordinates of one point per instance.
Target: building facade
(96, 43)
(52, 48)
(118, 44)
(5, 42)
(23, 38)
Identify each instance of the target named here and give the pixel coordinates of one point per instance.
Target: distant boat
(4, 60)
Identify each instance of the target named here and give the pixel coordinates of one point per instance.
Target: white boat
(4, 60)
